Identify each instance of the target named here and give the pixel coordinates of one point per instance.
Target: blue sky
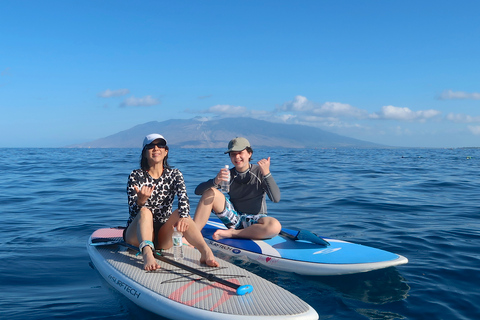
(401, 73)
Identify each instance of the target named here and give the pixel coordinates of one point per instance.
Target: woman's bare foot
(209, 259)
(149, 262)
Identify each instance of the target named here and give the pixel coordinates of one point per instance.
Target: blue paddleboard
(334, 257)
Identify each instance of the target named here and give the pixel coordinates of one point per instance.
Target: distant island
(200, 133)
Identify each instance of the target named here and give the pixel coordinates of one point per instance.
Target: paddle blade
(305, 235)
(309, 236)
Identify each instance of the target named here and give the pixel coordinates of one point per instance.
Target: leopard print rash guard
(171, 183)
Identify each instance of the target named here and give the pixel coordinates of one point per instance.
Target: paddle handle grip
(241, 290)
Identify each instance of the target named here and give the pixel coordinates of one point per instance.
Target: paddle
(306, 236)
(240, 289)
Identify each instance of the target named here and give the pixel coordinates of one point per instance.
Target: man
(245, 213)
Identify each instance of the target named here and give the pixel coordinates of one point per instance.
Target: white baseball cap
(152, 137)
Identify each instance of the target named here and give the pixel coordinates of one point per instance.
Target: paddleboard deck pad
(175, 293)
(281, 253)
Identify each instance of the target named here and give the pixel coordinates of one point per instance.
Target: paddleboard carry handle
(240, 289)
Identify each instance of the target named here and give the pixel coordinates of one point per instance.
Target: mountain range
(200, 133)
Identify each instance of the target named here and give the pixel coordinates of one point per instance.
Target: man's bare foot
(222, 234)
(149, 262)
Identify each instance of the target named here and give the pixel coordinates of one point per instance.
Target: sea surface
(421, 203)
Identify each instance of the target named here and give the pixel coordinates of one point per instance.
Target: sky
(399, 73)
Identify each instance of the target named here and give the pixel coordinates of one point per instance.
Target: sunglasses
(159, 145)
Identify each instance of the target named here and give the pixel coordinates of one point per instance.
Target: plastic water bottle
(177, 245)
(225, 185)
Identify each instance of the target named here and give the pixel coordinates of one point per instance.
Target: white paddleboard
(303, 257)
(175, 293)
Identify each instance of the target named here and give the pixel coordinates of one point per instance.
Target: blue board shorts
(237, 220)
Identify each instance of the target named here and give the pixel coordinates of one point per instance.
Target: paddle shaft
(208, 276)
(240, 289)
(180, 265)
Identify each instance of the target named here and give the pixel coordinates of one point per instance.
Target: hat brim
(235, 150)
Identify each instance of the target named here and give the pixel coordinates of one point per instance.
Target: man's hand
(264, 165)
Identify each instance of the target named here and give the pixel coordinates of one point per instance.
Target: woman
(151, 191)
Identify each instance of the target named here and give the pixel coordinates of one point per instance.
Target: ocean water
(420, 203)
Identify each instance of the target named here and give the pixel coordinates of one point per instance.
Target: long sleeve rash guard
(248, 190)
(171, 183)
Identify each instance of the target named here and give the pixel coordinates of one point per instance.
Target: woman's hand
(182, 225)
(143, 194)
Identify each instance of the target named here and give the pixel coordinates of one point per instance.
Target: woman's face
(241, 159)
(155, 152)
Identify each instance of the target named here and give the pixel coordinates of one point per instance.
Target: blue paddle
(305, 235)
(240, 289)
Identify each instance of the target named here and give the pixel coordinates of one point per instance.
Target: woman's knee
(145, 213)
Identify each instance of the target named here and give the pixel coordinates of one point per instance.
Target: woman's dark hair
(144, 161)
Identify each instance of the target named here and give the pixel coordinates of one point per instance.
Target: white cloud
(474, 129)
(338, 109)
(146, 101)
(404, 114)
(202, 119)
(461, 118)
(301, 104)
(450, 95)
(298, 104)
(286, 117)
(313, 120)
(225, 109)
(113, 93)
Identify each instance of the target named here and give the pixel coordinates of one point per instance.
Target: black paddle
(240, 289)
(305, 235)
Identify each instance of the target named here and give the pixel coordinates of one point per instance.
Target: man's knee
(214, 199)
(208, 196)
(272, 223)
